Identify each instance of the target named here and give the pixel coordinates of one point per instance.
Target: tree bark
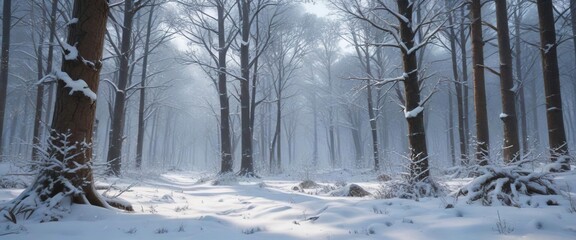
(465, 90)
(75, 113)
(520, 79)
(554, 116)
(5, 59)
(371, 114)
(114, 158)
(419, 169)
(511, 148)
(458, 86)
(225, 142)
(483, 139)
(142, 102)
(247, 162)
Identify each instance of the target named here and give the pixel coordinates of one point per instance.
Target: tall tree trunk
(278, 128)
(451, 148)
(114, 158)
(464, 89)
(483, 144)
(225, 144)
(36, 138)
(142, 103)
(573, 21)
(520, 78)
(371, 114)
(75, 113)
(419, 169)
(511, 148)
(554, 116)
(458, 86)
(247, 163)
(5, 58)
(315, 139)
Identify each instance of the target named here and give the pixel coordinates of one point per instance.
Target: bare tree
(125, 54)
(37, 135)
(459, 84)
(248, 10)
(364, 54)
(404, 37)
(284, 57)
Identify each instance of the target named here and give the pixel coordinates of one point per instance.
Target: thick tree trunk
(483, 144)
(247, 163)
(573, 21)
(114, 158)
(75, 114)
(419, 169)
(511, 148)
(554, 116)
(4, 61)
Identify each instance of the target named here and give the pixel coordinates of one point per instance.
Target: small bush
(505, 185)
(410, 190)
(252, 230)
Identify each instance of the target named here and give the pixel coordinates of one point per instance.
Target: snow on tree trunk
(65, 175)
(419, 170)
(511, 148)
(554, 116)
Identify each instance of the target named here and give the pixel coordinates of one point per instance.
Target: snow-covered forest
(288, 119)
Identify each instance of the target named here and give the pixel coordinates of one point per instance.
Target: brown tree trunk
(76, 113)
(511, 147)
(5, 58)
(419, 170)
(114, 158)
(554, 116)
(483, 139)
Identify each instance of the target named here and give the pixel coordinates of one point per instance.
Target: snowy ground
(180, 205)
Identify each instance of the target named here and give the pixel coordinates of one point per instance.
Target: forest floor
(188, 205)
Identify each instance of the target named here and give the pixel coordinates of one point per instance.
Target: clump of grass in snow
(252, 230)
(502, 226)
(161, 230)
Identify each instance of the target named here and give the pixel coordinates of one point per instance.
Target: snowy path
(175, 206)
